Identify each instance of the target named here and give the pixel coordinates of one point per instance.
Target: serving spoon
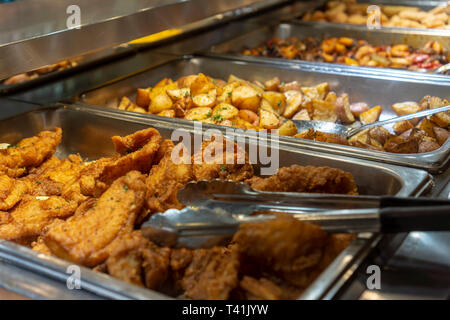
(351, 130)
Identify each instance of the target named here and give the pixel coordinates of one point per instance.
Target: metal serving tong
(216, 209)
(351, 130)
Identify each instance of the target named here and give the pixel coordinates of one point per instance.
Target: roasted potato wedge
(324, 111)
(358, 108)
(143, 98)
(198, 114)
(402, 126)
(370, 115)
(343, 109)
(201, 85)
(245, 97)
(225, 111)
(268, 120)
(276, 99)
(205, 100)
(177, 94)
(288, 129)
(301, 115)
(294, 101)
(441, 135)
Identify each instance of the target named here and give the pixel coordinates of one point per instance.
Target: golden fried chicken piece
(11, 191)
(307, 179)
(57, 177)
(219, 161)
(166, 178)
(29, 218)
(284, 244)
(265, 289)
(212, 273)
(84, 238)
(125, 258)
(29, 153)
(136, 260)
(135, 152)
(40, 246)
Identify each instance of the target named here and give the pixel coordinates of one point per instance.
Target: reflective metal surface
(359, 85)
(88, 130)
(42, 26)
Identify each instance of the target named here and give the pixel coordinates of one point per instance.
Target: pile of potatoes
(411, 136)
(271, 106)
(242, 104)
(348, 11)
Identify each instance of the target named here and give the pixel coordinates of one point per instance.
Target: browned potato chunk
(167, 113)
(343, 109)
(159, 103)
(442, 119)
(205, 100)
(198, 114)
(322, 90)
(135, 108)
(143, 98)
(362, 137)
(294, 101)
(301, 115)
(404, 108)
(288, 129)
(187, 81)
(307, 134)
(428, 144)
(226, 94)
(379, 134)
(177, 94)
(311, 92)
(245, 97)
(330, 138)
(201, 85)
(358, 108)
(427, 126)
(164, 82)
(399, 144)
(224, 111)
(276, 99)
(268, 120)
(441, 135)
(124, 104)
(324, 111)
(249, 116)
(294, 85)
(370, 115)
(402, 126)
(272, 85)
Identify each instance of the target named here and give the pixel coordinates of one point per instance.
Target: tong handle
(390, 202)
(408, 219)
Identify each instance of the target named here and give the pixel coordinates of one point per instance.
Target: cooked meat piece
(29, 153)
(307, 179)
(135, 152)
(221, 160)
(265, 289)
(31, 215)
(11, 191)
(284, 244)
(84, 238)
(212, 273)
(156, 265)
(136, 260)
(165, 179)
(125, 258)
(57, 177)
(40, 246)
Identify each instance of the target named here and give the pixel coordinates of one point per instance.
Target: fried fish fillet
(11, 191)
(135, 152)
(29, 153)
(165, 179)
(29, 218)
(307, 179)
(84, 238)
(57, 177)
(221, 160)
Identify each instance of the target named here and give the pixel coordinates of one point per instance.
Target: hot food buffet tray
(86, 130)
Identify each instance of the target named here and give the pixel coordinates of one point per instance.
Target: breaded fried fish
(84, 238)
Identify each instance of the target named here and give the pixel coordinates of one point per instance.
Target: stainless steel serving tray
(84, 62)
(374, 88)
(301, 30)
(88, 130)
